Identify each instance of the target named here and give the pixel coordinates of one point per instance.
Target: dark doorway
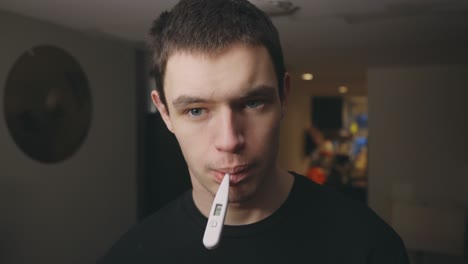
(166, 174)
(162, 173)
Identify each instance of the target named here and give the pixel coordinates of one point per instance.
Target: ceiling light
(343, 89)
(275, 8)
(307, 76)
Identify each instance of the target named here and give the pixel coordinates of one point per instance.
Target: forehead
(222, 73)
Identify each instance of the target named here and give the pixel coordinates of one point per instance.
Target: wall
(418, 140)
(295, 121)
(72, 211)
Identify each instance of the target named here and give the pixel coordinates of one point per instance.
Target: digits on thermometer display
(217, 210)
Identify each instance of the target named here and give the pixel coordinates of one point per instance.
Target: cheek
(264, 134)
(193, 144)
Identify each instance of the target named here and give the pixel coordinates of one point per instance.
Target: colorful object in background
(354, 128)
(326, 149)
(317, 174)
(359, 144)
(362, 120)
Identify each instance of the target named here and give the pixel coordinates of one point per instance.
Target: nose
(229, 137)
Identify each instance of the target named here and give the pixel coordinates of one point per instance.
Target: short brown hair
(208, 26)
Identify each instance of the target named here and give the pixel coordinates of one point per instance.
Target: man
(222, 90)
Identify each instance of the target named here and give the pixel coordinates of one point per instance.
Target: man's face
(225, 112)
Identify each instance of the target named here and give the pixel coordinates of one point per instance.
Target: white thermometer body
(215, 223)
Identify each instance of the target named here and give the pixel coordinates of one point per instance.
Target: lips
(238, 173)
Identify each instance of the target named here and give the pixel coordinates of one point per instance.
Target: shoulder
(342, 217)
(322, 199)
(148, 231)
(160, 219)
(346, 224)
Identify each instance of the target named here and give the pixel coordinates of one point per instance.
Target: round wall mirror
(47, 104)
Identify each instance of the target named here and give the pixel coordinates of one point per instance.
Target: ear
(162, 109)
(286, 90)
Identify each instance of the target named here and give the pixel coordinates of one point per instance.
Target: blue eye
(196, 112)
(254, 104)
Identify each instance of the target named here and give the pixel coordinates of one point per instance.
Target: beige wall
(418, 142)
(72, 211)
(294, 122)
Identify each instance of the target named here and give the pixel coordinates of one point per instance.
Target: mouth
(237, 173)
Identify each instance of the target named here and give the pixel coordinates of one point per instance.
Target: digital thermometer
(215, 223)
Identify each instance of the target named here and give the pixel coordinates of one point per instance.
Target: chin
(241, 195)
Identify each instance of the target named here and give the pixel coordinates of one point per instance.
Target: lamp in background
(275, 8)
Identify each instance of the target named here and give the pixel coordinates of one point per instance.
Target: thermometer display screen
(217, 210)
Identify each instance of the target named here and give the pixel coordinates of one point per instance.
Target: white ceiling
(334, 39)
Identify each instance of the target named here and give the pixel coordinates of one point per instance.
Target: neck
(269, 196)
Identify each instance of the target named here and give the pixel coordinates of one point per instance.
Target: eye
(196, 112)
(254, 104)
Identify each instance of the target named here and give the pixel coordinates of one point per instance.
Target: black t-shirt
(314, 225)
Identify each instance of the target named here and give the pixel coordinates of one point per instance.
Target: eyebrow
(258, 91)
(185, 100)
